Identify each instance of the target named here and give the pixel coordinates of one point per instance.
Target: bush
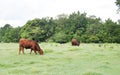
(94, 39)
(61, 38)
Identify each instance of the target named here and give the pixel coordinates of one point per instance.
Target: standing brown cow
(29, 44)
(75, 42)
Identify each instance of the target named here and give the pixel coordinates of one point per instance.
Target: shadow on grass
(92, 73)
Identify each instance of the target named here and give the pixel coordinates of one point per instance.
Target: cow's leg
(35, 52)
(19, 50)
(31, 51)
(22, 50)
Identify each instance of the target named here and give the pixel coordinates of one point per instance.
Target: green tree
(63, 28)
(118, 3)
(94, 26)
(40, 29)
(72, 26)
(77, 21)
(4, 30)
(11, 35)
(110, 29)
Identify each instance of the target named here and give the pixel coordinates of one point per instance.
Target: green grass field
(61, 59)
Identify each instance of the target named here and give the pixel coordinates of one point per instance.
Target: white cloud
(17, 12)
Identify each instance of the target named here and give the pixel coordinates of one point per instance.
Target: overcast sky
(18, 12)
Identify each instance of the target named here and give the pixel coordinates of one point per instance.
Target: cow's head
(40, 52)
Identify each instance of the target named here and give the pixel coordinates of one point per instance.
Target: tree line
(63, 28)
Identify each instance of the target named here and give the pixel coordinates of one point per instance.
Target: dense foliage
(118, 3)
(63, 28)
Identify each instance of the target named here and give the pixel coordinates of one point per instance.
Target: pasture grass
(61, 59)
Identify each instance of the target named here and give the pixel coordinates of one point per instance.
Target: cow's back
(25, 43)
(75, 42)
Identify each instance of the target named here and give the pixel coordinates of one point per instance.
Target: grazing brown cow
(29, 44)
(75, 42)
